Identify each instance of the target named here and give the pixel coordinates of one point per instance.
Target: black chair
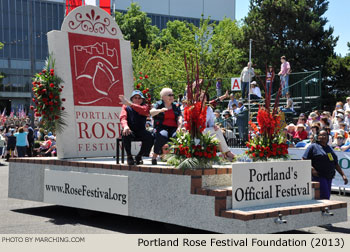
(119, 141)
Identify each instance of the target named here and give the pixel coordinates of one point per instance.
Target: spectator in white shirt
(255, 93)
(347, 104)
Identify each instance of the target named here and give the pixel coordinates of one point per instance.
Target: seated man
(133, 120)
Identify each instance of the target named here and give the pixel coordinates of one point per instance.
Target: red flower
(209, 156)
(44, 90)
(144, 91)
(37, 114)
(57, 117)
(51, 108)
(51, 103)
(32, 107)
(63, 99)
(146, 76)
(63, 108)
(52, 85)
(140, 73)
(60, 90)
(254, 155)
(44, 70)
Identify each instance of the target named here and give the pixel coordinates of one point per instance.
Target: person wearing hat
(284, 75)
(228, 121)
(291, 131)
(324, 163)
(228, 124)
(167, 121)
(133, 118)
(339, 118)
(301, 133)
(254, 92)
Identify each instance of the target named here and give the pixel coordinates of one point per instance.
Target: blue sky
(338, 11)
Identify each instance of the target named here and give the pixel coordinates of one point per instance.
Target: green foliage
(336, 86)
(215, 45)
(292, 28)
(136, 26)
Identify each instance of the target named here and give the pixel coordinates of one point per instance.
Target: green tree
(294, 28)
(136, 26)
(336, 86)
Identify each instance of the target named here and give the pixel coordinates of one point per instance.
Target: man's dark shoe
(130, 161)
(138, 160)
(154, 161)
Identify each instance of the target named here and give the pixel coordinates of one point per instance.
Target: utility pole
(249, 68)
(32, 56)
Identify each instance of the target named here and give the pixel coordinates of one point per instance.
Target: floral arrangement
(191, 148)
(141, 84)
(189, 153)
(268, 141)
(47, 90)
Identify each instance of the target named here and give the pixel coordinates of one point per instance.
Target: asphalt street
(28, 217)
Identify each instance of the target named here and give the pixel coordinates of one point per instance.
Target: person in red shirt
(301, 133)
(167, 120)
(133, 120)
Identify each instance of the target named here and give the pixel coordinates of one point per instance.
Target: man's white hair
(165, 91)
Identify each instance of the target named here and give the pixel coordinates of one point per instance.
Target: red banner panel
(96, 70)
(72, 4)
(106, 5)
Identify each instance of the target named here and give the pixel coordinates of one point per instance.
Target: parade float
(94, 63)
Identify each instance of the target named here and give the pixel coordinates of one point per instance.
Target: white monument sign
(94, 62)
(100, 192)
(264, 183)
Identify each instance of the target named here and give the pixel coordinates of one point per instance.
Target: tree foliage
(136, 26)
(214, 45)
(336, 84)
(294, 28)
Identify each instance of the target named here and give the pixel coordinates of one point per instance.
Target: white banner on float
(99, 192)
(264, 183)
(296, 153)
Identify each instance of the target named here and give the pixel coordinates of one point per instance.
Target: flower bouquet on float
(266, 141)
(191, 148)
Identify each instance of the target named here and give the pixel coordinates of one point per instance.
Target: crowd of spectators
(336, 123)
(19, 139)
